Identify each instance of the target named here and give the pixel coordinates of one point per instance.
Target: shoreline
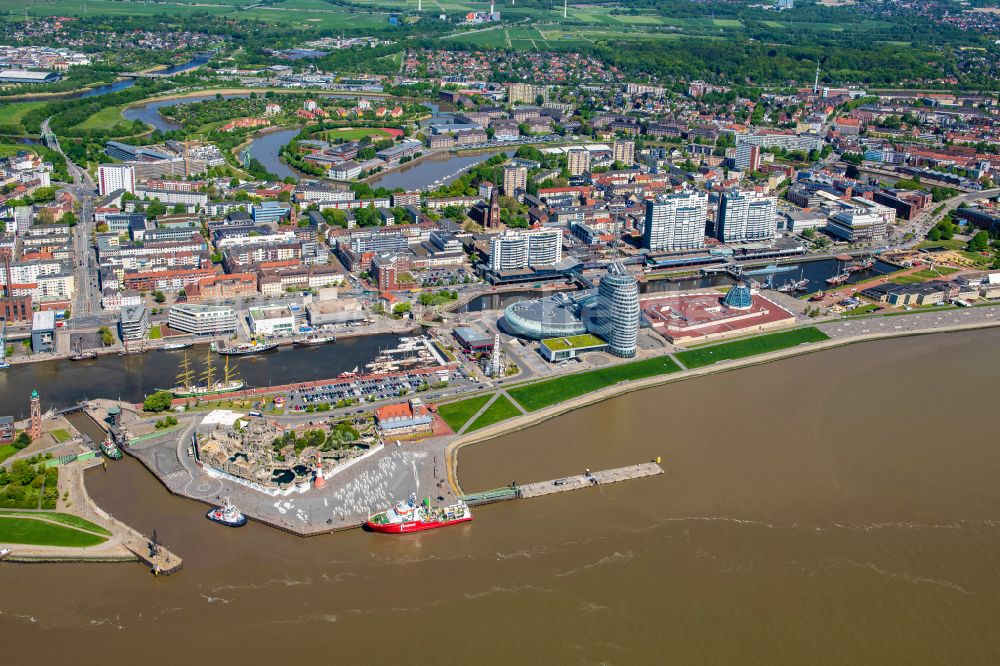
(534, 418)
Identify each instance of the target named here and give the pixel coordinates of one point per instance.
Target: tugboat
(110, 449)
(408, 517)
(227, 515)
(83, 355)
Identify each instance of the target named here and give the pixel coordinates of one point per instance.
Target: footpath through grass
(28, 531)
(761, 344)
(501, 410)
(455, 414)
(542, 394)
(64, 518)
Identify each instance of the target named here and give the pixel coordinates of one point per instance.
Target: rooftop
(574, 342)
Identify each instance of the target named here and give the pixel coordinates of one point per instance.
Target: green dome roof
(34, 394)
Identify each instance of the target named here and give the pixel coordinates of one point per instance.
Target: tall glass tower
(615, 314)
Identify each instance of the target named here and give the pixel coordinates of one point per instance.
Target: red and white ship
(409, 516)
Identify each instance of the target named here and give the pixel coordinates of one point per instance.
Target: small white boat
(4, 552)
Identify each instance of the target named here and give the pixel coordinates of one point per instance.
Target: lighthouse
(319, 481)
(35, 425)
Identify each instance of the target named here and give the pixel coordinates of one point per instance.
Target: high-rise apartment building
(745, 217)
(578, 161)
(516, 250)
(113, 177)
(526, 93)
(624, 152)
(675, 222)
(514, 178)
(747, 157)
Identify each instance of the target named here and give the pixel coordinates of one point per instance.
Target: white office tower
(516, 250)
(675, 222)
(746, 217)
(615, 314)
(114, 177)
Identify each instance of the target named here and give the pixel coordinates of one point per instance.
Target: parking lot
(361, 390)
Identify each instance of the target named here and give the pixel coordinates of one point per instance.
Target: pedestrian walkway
(482, 409)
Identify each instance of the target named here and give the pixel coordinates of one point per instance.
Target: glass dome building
(548, 317)
(738, 298)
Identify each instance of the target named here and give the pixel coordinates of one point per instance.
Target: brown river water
(841, 507)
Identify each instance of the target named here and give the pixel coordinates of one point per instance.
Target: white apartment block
(201, 319)
(675, 222)
(746, 217)
(114, 177)
(516, 250)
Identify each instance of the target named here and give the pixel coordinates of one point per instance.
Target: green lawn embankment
(32, 532)
(501, 410)
(542, 394)
(761, 344)
(456, 414)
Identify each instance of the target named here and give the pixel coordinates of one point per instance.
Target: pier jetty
(588, 479)
(564, 484)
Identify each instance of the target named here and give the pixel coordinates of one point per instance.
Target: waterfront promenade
(841, 332)
(429, 467)
(124, 545)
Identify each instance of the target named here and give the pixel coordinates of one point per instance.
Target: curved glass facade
(547, 317)
(615, 314)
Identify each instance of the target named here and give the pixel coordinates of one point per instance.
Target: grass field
(302, 12)
(867, 308)
(952, 244)
(455, 414)
(761, 344)
(907, 279)
(12, 113)
(6, 451)
(352, 133)
(104, 119)
(61, 435)
(64, 518)
(112, 8)
(931, 273)
(501, 410)
(287, 13)
(155, 333)
(28, 531)
(8, 149)
(542, 394)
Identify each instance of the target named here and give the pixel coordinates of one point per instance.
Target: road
(922, 223)
(86, 311)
